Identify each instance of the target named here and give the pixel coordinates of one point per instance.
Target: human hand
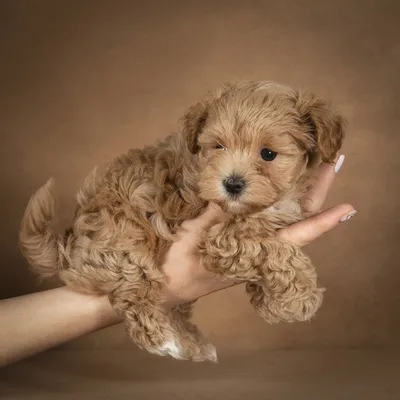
(186, 280)
(66, 314)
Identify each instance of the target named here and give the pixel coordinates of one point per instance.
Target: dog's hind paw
(211, 353)
(173, 348)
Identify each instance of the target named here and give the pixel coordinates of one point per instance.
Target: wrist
(102, 311)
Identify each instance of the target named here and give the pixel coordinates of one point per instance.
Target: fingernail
(348, 216)
(339, 163)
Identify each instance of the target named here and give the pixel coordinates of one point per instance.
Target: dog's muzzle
(234, 185)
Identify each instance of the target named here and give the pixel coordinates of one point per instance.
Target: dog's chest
(289, 208)
(281, 214)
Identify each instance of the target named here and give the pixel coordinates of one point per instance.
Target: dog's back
(138, 200)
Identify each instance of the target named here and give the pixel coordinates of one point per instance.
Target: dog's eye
(268, 155)
(220, 147)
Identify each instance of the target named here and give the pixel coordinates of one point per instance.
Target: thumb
(212, 215)
(304, 232)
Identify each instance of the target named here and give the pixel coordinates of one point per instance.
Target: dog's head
(255, 140)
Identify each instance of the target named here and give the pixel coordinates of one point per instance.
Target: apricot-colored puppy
(251, 148)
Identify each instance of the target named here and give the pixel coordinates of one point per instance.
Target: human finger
(210, 216)
(304, 232)
(323, 180)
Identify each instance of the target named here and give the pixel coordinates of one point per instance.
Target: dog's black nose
(234, 184)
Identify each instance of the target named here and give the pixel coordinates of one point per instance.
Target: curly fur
(128, 214)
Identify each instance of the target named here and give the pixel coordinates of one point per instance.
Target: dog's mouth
(238, 205)
(232, 205)
(234, 195)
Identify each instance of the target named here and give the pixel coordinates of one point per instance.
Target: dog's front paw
(288, 290)
(218, 249)
(227, 250)
(286, 308)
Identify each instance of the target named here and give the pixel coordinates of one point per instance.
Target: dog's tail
(38, 242)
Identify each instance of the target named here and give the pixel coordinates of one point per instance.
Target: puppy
(249, 147)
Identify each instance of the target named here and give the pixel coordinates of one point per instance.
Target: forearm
(36, 322)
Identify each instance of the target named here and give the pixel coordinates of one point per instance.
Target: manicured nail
(348, 216)
(339, 163)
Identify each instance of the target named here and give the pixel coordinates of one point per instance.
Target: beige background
(82, 81)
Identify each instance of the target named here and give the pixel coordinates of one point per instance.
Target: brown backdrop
(82, 81)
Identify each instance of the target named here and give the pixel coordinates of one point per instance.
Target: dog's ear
(193, 123)
(324, 124)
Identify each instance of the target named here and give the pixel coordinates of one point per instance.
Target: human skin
(36, 322)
